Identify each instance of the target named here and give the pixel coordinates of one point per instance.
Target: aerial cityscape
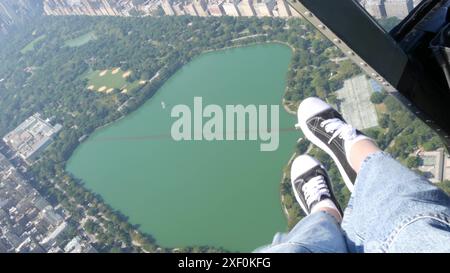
(12, 11)
(203, 8)
(86, 88)
(29, 223)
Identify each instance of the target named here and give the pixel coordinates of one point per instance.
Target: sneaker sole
(316, 141)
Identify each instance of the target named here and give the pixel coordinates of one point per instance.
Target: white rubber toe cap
(302, 164)
(311, 107)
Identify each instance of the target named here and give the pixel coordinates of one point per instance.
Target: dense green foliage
(389, 23)
(445, 185)
(378, 97)
(400, 132)
(51, 79)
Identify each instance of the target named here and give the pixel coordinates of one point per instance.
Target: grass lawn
(105, 80)
(81, 40)
(30, 46)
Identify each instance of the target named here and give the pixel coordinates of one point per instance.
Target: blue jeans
(392, 209)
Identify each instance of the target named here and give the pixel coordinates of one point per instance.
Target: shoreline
(283, 101)
(283, 177)
(248, 45)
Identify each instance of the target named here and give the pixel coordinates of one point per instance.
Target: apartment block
(283, 9)
(231, 9)
(246, 8)
(264, 8)
(216, 9)
(166, 5)
(376, 8)
(201, 7)
(189, 9)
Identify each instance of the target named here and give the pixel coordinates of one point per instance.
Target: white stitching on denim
(291, 244)
(371, 156)
(441, 217)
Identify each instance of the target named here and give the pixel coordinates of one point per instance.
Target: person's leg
(359, 151)
(391, 209)
(320, 231)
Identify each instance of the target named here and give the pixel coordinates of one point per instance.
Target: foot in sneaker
(312, 186)
(327, 129)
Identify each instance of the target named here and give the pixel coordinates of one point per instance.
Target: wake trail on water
(169, 136)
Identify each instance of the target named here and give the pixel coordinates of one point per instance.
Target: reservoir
(189, 193)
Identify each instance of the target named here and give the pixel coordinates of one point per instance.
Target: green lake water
(218, 193)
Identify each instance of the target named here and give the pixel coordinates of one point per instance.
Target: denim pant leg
(392, 209)
(317, 233)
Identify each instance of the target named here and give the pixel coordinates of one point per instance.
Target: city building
(201, 7)
(376, 8)
(31, 137)
(77, 245)
(246, 8)
(50, 239)
(215, 8)
(263, 8)
(189, 9)
(108, 8)
(283, 9)
(166, 5)
(28, 223)
(151, 7)
(435, 165)
(230, 8)
(446, 168)
(178, 9)
(398, 8)
(278, 8)
(84, 7)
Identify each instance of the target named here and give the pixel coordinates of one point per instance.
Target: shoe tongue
(348, 133)
(316, 171)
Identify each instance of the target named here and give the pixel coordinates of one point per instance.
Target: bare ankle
(360, 151)
(333, 212)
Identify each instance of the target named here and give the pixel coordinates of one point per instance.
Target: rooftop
(31, 136)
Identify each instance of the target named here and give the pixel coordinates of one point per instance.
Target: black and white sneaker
(326, 128)
(311, 185)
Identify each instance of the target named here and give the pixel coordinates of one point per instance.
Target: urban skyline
(202, 8)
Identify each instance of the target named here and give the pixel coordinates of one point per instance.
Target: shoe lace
(339, 129)
(314, 189)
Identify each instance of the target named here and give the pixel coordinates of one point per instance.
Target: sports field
(109, 80)
(81, 40)
(355, 103)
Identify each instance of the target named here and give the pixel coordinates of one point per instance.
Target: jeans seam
(293, 244)
(441, 217)
(370, 157)
(330, 215)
